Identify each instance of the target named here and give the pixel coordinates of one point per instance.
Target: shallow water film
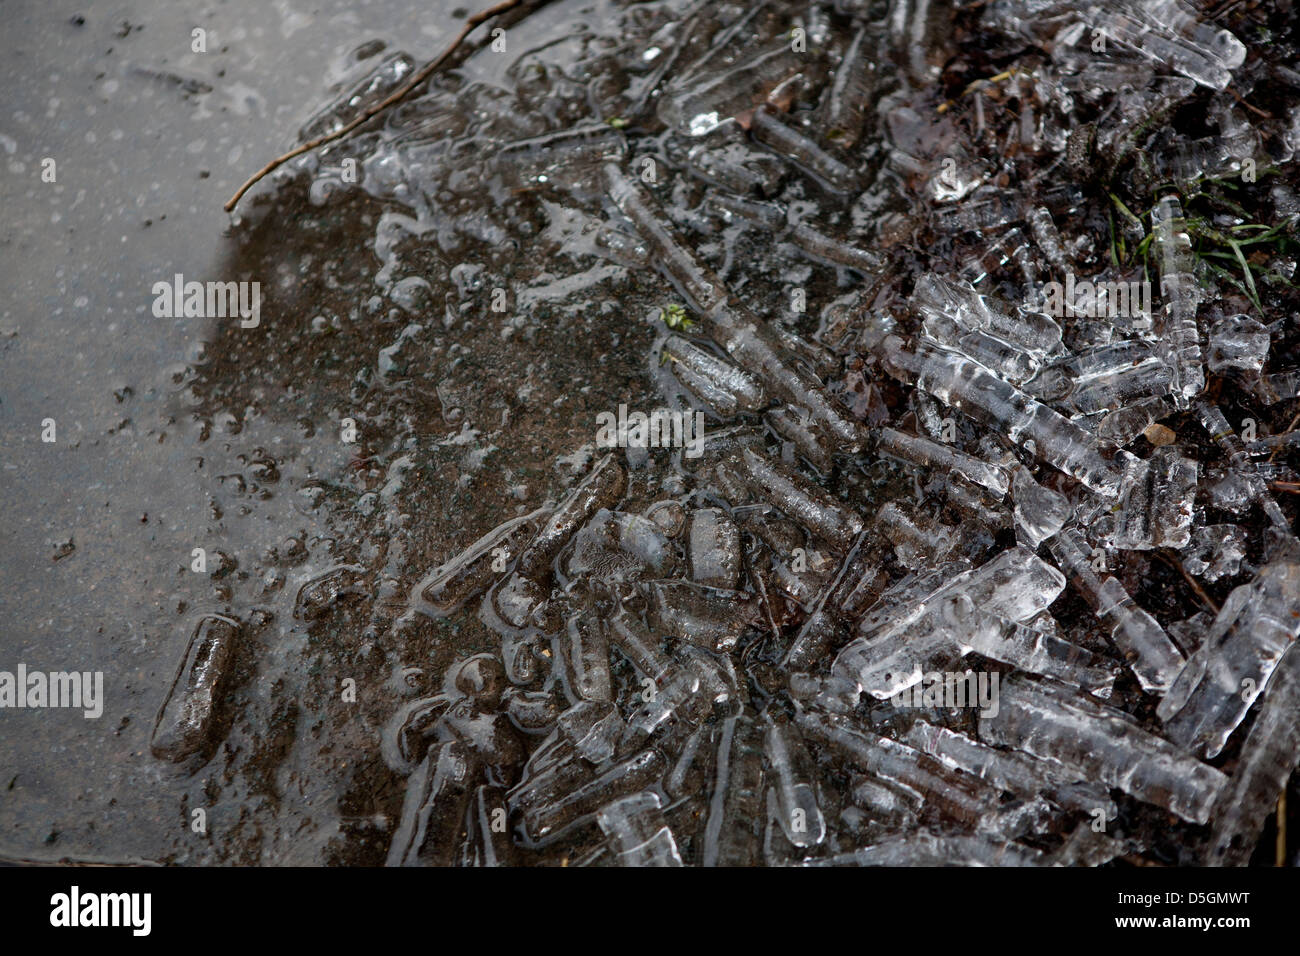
(845, 433)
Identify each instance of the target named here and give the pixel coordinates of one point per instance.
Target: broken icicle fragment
(931, 454)
(1124, 425)
(522, 596)
(974, 607)
(1223, 435)
(713, 542)
(187, 719)
(1155, 504)
(449, 586)
(1010, 770)
(731, 832)
(959, 796)
(1168, 32)
(928, 849)
(1027, 423)
(1032, 332)
(801, 499)
(1101, 743)
(1039, 512)
(1268, 758)
(587, 656)
(799, 815)
(719, 384)
(552, 811)
(1255, 626)
(919, 541)
(1215, 551)
(1103, 377)
(740, 333)
(772, 131)
(637, 832)
(1145, 645)
(1238, 343)
(437, 801)
(1181, 292)
(709, 617)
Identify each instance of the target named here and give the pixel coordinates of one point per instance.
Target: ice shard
(1103, 744)
(1147, 648)
(1215, 689)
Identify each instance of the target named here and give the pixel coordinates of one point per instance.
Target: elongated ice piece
(593, 727)
(1178, 287)
(801, 499)
(919, 541)
(1027, 423)
(435, 807)
(1153, 29)
(1268, 758)
(637, 832)
(559, 811)
(724, 387)
(1226, 438)
(1103, 744)
(518, 600)
(975, 607)
(713, 543)
(1039, 512)
(187, 718)
(1255, 626)
(834, 252)
(773, 132)
(1004, 360)
(1048, 239)
(932, 454)
(928, 849)
(1041, 651)
(696, 681)
(848, 103)
(1032, 332)
(1155, 503)
(1123, 425)
(1105, 377)
(797, 426)
(1012, 771)
(731, 833)
(955, 794)
(700, 100)
(799, 815)
(1147, 648)
(853, 590)
(492, 844)
(740, 333)
(587, 654)
(559, 156)
(470, 573)
(638, 644)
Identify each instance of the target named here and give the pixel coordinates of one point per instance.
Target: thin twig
(425, 72)
(1295, 421)
(1194, 584)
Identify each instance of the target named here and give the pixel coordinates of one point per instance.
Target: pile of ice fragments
(939, 585)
